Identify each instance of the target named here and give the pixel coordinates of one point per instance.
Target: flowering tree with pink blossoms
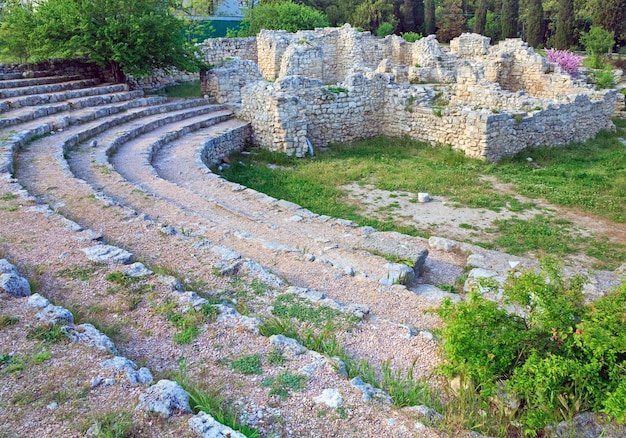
(566, 59)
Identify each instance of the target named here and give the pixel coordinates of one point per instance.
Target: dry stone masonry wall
(310, 88)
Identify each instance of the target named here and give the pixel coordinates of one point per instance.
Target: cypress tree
(429, 17)
(418, 14)
(510, 14)
(481, 17)
(408, 19)
(564, 37)
(534, 27)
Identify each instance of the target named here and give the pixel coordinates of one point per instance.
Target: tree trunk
(116, 71)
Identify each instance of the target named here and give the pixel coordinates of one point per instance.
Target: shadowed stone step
(51, 88)
(33, 82)
(40, 99)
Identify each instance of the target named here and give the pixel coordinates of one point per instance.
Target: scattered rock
(142, 376)
(172, 282)
(442, 244)
(88, 334)
(425, 412)
(14, 285)
(37, 301)
(330, 397)
(397, 273)
(289, 344)
(369, 392)
(138, 270)
(192, 299)
(225, 253)
(108, 254)
(164, 399)
(168, 230)
(205, 425)
(588, 425)
(423, 197)
(433, 293)
(398, 245)
(53, 314)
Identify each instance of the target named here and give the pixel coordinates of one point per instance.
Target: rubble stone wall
(487, 101)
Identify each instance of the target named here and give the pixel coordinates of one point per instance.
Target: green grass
(114, 424)
(8, 321)
(211, 402)
(77, 272)
(292, 306)
(589, 177)
(49, 333)
(250, 364)
(284, 383)
(186, 89)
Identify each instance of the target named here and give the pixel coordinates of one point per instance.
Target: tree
(429, 17)
(510, 14)
(124, 37)
(481, 17)
(285, 15)
(534, 24)
(452, 21)
(611, 15)
(564, 37)
(596, 42)
(16, 29)
(372, 13)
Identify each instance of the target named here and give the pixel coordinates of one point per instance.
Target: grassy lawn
(587, 177)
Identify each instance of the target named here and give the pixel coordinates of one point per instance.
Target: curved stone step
(40, 99)
(34, 82)
(12, 144)
(22, 74)
(22, 115)
(50, 88)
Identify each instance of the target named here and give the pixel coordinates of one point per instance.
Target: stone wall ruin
(337, 85)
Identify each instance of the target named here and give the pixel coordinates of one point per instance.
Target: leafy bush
(558, 355)
(384, 29)
(286, 15)
(603, 78)
(596, 42)
(566, 59)
(411, 37)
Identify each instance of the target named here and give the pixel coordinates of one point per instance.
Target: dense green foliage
(535, 26)
(429, 17)
(283, 15)
(125, 37)
(564, 36)
(597, 42)
(480, 17)
(557, 354)
(509, 19)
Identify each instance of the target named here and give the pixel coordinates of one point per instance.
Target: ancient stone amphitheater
(129, 243)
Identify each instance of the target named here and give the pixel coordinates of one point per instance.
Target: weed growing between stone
(211, 402)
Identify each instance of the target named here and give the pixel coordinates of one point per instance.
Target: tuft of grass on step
(249, 364)
(284, 383)
(48, 333)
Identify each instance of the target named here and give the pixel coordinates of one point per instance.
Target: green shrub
(596, 42)
(384, 29)
(411, 37)
(603, 78)
(560, 357)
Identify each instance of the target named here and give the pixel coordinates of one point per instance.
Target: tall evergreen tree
(429, 17)
(510, 14)
(534, 23)
(481, 17)
(418, 15)
(611, 15)
(408, 18)
(564, 37)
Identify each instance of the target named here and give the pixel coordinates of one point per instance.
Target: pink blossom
(566, 59)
